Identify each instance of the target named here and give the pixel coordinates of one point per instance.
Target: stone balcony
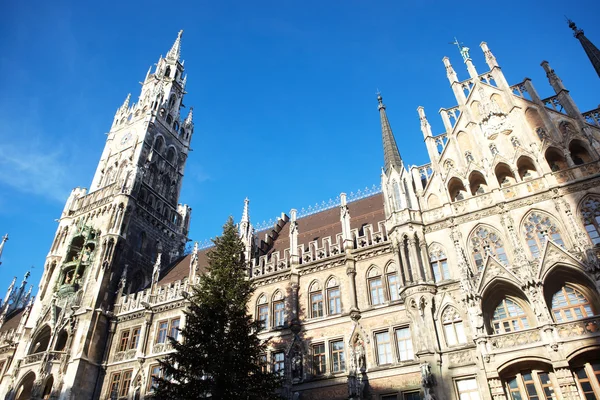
(51, 356)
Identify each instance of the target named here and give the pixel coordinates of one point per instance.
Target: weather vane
(464, 50)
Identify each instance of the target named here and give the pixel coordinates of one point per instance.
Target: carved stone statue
(297, 365)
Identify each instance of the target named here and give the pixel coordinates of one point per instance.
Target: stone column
(496, 389)
(414, 259)
(407, 275)
(426, 261)
(568, 387)
(351, 272)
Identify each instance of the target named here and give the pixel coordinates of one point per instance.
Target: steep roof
(12, 322)
(317, 226)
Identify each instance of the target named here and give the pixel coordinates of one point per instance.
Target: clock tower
(113, 238)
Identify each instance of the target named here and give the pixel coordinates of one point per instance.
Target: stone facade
(475, 276)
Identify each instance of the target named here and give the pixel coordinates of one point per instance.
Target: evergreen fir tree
(219, 356)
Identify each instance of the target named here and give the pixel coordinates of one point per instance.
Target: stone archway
(25, 388)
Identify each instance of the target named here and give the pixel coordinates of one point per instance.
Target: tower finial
(391, 155)
(175, 51)
(4, 239)
(464, 50)
(590, 49)
(189, 119)
(125, 105)
(245, 214)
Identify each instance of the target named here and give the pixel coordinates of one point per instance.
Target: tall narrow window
(484, 241)
(376, 289)
(393, 285)
(509, 317)
(453, 327)
(319, 359)
(278, 313)
(262, 311)
(405, 345)
(126, 382)
(467, 389)
(338, 359)
(384, 348)
(316, 300)
(569, 304)
(334, 299)
(174, 328)
(590, 211)
(439, 264)
(124, 342)
(156, 373)
(135, 337)
(279, 363)
(161, 334)
(115, 381)
(538, 228)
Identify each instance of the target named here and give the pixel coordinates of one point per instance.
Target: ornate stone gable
(492, 270)
(554, 254)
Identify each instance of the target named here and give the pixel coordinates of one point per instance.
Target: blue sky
(284, 94)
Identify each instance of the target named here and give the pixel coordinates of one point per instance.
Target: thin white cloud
(30, 168)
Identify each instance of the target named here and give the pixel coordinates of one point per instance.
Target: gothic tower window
(526, 168)
(316, 300)
(278, 309)
(393, 285)
(375, 286)
(569, 304)
(504, 175)
(590, 211)
(486, 241)
(334, 298)
(158, 144)
(262, 311)
(439, 263)
(538, 228)
(456, 189)
(454, 330)
(477, 183)
(556, 159)
(509, 316)
(579, 153)
(397, 195)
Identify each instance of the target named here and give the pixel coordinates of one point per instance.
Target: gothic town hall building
(475, 276)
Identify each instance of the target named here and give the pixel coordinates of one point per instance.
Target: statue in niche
(297, 365)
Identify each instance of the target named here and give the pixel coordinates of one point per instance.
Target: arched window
(504, 175)
(456, 189)
(569, 304)
(579, 153)
(590, 211)
(453, 327)
(538, 227)
(526, 168)
(158, 144)
(171, 155)
(375, 286)
(262, 311)
(334, 298)
(316, 300)
(477, 183)
(393, 285)
(509, 316)
(278, 309)
(485, 241)
(556, 159)
(439, 263)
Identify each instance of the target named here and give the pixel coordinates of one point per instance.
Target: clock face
(125, 139)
